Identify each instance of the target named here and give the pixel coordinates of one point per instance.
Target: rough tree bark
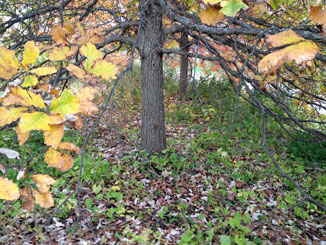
(153, 137)
(183, 43)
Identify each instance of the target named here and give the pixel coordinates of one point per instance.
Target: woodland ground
(213, 183)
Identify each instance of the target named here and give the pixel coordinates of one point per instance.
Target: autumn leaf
(34, 121)
(76, 71)
(67, 103)
(68, 146)
(77, 124)
(318, 14)
(232, 7)
(28, 200)
(22, 136)
(43, 71)
(43, 182)
(104, 69)
(8, 189)
(69, 28)
(30, 81)
(301, 52)
(53, 136)
(45, 200)
(9, 63)
(10, 115)
(31, 53)
(58, 34)
(56, 119)
(212, 2)
(283, 38)
(91, 53)
(61, 161)
(19, 96)
(211, 15)
(62, 53)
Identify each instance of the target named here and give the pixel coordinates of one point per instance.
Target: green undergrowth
(214, 182)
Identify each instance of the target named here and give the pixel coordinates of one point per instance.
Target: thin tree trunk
(153, 137)
(183, 42)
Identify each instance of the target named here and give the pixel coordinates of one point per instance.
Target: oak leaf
(76, 71)
(19, 96)
(43, 182)
(61, 161)
(28, 200)
(22, 136)
(30, 81)
(68, 146)
(104, 69)
(9, 63)
(318, 14)
(85, 96)
(283, 38)
(211, 15)
(53, 136)
(58, 34)
(91, 53)
(43, 71)
(232, 7)
(31, 53)
(67, 103)
(45, 200)
(10, 115)
(8, 189)
(34, 121)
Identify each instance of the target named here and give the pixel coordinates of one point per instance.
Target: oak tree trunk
(153, 137)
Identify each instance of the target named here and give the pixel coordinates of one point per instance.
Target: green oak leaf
(232, 7)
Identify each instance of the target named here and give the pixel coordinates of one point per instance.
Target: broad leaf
(30, 81)
(19, 96)
(76, 71)
(34, 121)
(67, 103)
(91, 53)
(31, 53)
(8, 189)
(62, 162)
(53, 136)
(10, 115)
(58, 34)
(43, 182)
(28, 203)
(282, 38)
(232, 7)
(43, 71)
(45, 200)
(22, 136)
(69, 147)
(85, 96)
(211, 15)
(104, 69)
(318, 14)
(9, 64)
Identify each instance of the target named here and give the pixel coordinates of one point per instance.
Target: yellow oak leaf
(28, 200)
(104, 69)
(53, 136)
(301, 52)
(76, 71)
(68, 146)
(31, 53)
(34, 121)
(211, 15)
(56, 119)
(30, 81)
(43, 182)
(282, 38)
(9, 63)
(19, 96)
(91, 53)
(67, 103)
(58, 34)
(45, 200)
(8, 189)
(62, 162)
(212, 2)
(59, 53)
(69, 28)
(10, 115)
(22, 136)
(43, 71)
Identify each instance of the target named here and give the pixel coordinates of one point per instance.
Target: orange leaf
(59, 35)
(43, 182)
(45, 200)
(76, 71)
(22, 136)
(69, 147)
(282, 38)
(211, 15)
(53, 136)
(28, 203)
(58, 160)
(318, 14)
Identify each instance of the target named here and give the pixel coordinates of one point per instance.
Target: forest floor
(213, 184)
